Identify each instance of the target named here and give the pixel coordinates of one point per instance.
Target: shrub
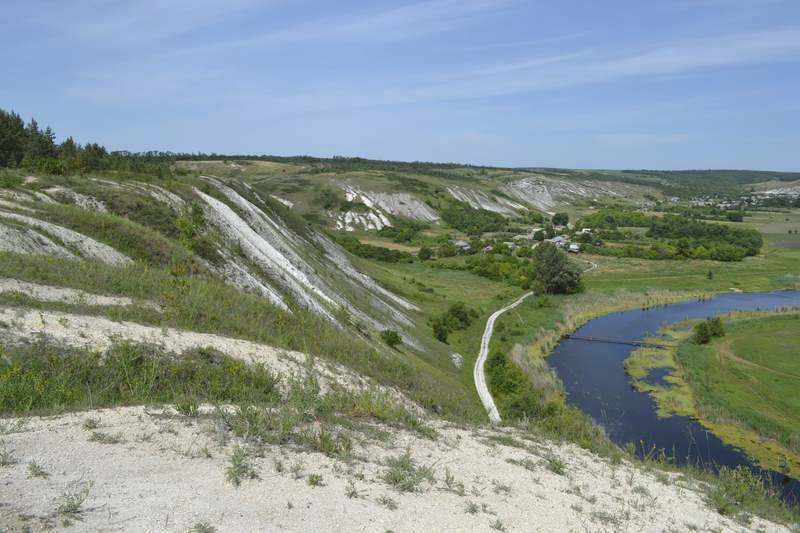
(391, 337)
(457, 317)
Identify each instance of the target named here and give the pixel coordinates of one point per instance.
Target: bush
(367, 251)
(472, 221)
(458, 317)
(424, 253)
(403, 230)
(391, 337)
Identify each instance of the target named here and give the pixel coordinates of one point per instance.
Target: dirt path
(480, 377)
(726, 351)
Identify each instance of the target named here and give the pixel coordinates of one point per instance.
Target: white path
(480, 377)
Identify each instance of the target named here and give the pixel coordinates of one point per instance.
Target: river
(595, 381)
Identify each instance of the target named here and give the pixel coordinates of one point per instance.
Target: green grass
(404, 475)
(42, 377)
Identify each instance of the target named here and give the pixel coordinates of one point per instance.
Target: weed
(662, 477)
(278, 465)
(297, 470)
(72, 499)
(606, 518)
(497, 525)
(203, 527)
(404, 475)
(240, 467)
(91, 423)
(456, 487)
(387, 502)
(106, 438)
(188, 406)
(525, 463)
(314, 480)
(350, 490)
(500, 488)
(556, 465)
(506, 440)
(37, 470)
(472, 508)
(6, 455)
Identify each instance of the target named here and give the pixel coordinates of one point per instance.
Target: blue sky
(570, 83)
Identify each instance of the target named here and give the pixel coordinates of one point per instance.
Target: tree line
(31, 147)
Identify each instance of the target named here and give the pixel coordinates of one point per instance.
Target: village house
(462, 246)
(559, 240)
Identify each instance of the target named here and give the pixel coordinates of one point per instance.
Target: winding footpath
(478, 373)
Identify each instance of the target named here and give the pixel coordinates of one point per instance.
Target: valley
(234, 314)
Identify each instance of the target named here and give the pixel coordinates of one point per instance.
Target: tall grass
(43, 377)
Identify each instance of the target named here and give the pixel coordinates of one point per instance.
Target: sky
(665, 84)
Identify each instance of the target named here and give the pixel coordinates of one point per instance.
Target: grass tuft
(240, 467)
(404, 475)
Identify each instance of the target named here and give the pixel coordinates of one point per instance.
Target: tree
(702, 333)
(12, 139)
(554, 272)
(447, 250)
(391, 337)
(424, 253)
(538, 236)
(716, 327)
(560, 219)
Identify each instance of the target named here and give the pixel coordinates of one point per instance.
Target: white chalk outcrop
(478, 199)
(81, 200)
(85, 246)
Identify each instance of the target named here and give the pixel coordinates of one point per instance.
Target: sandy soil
(167, 473)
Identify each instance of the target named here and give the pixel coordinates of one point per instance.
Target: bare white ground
(81, 200)
(240, 276)
(261, 252)
(86, 246)
(13, 205)
(168, 474)
(481, 200)
(284, 201)
(48, 293)
(27, 241)
(546, 193)
(398, 204)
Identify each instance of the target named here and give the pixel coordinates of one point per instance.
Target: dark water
(596, 382)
